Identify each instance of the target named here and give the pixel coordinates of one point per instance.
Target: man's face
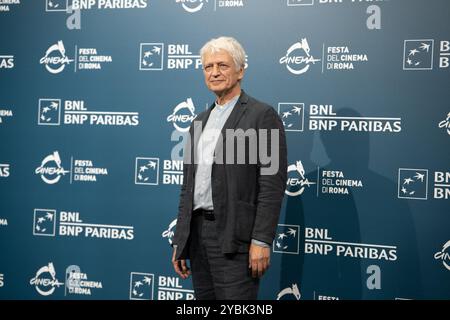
(220, 72)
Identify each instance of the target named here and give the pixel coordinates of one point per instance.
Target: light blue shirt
(205, 153)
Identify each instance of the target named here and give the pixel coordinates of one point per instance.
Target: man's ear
(241, 74)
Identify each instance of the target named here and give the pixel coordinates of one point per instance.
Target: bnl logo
(49, 112)
(292, 115)
(287, 239)
(300, 2)
(151, 56)
(56, 5)
(418, 54)
(146, 171)
(141, 286)
(413, 184)
(44, 222)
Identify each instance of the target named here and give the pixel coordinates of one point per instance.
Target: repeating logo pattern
(418, 55)
(147, 171)
(413, 184)
(287, 239)
(141, 286)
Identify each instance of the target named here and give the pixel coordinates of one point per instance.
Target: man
(230, 201)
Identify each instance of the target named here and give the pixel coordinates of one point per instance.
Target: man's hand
(258, 260)
(180, 266)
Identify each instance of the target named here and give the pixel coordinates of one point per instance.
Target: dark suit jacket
(246, 203)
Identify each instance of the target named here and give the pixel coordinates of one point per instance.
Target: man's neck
(224, 97)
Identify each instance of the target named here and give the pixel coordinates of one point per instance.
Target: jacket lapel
(232, 121)
(197, 133)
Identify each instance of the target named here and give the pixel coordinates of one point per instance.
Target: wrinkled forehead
(217, 56)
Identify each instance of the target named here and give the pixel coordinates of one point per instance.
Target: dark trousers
(216, 275)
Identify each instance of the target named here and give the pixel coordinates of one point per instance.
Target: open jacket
(246, 203)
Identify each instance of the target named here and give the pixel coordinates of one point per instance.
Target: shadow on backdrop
(367, 215)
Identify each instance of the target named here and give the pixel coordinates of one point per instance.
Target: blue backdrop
(96, 97)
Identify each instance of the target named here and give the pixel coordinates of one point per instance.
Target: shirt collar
(230, 103)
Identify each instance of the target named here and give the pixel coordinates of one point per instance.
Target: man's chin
(218, 92)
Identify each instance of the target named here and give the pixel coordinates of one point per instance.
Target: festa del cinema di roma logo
(55, 59)
(298, 58)
(45, 280)
(192, 6)
(51, 174)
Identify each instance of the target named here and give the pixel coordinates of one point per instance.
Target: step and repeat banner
(96, 99)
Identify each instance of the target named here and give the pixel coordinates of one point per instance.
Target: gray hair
(231, 45)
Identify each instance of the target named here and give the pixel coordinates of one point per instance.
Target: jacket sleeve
(187, 161)
(272, 176)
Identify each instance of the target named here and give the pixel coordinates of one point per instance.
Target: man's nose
(216, 70)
